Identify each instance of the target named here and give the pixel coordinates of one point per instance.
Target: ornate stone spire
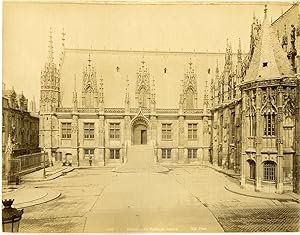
(101, 91)
(212, 88)
(228, 56)
(50, 82)
(284, 41)
(143, 89)
(217, 70)
(75, 101)
(127, 99)
(181, 98)
(62, 53)
(239, 53)
(239, 66)
(89, 87)
(153, 100)
(265, 12)
(101, 96)
(50, 48)
(190, 87)
(205, 99)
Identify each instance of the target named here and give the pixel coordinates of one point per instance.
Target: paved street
(186, 199)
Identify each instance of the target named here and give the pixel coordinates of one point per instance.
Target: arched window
(269, 171)
(252, 169)
(252, 124)
(189, 99)
(269, 124)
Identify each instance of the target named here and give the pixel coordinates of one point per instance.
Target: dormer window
(265, 64)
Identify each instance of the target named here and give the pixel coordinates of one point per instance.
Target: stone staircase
(140, 158)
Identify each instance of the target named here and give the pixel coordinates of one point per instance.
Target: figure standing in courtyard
(90, 160)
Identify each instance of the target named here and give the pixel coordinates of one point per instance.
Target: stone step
(140, 158)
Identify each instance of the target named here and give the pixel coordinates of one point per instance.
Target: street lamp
(11, 217)
(44, 153)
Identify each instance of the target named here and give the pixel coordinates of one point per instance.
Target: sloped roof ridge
(268, 50)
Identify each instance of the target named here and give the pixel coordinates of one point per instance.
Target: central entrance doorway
(140, 134)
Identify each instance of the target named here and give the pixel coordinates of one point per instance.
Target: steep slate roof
(268, 50)
(167, 85)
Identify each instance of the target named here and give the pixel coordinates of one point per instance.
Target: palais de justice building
(102, 103)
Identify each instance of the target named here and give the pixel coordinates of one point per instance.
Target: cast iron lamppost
(44, 153)
(11, 217)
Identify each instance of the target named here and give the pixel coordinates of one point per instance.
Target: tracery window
(269, 171)
(269, 124)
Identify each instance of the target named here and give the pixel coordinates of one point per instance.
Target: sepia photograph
(150, 116)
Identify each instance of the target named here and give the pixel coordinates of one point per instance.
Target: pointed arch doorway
(139, 130)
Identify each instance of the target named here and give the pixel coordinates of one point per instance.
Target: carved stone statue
(293, 36)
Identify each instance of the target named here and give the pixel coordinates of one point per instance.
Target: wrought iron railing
(19, 165)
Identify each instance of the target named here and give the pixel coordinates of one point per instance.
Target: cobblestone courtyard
(186, 199)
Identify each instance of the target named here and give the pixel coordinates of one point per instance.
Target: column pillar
(153, 120)
(181, 138)
(243, 170)
(206, 140)
(279, 134)
(225, 144)
(74, 139)
(259, 133)
(296, 163)
(100, 155)
(243, 139)
(127, 135)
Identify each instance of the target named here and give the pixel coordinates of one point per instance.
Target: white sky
(203, 27)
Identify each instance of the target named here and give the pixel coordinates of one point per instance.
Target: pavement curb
(52, 177)
(290, 198)
(58, 194)
(235, 176)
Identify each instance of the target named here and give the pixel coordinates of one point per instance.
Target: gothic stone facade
(19, 123)
(247, 121)
(98, 103)
(255, 110)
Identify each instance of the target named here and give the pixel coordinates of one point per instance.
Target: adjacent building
(255, 113)
(20, 131)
